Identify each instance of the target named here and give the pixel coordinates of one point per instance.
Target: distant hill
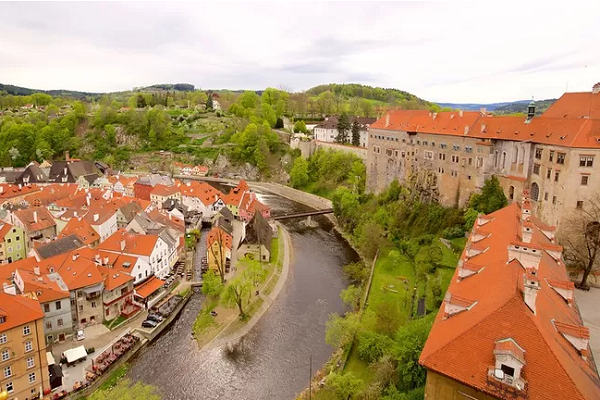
(512, 107)
(394, 97)
(22, 91)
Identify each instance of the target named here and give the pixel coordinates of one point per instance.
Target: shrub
(372, 346)
(454, 232)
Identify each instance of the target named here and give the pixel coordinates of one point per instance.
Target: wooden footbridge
(302, 214)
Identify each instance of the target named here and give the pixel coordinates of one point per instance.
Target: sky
(457, 52)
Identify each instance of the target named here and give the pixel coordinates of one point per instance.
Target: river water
(272, 361)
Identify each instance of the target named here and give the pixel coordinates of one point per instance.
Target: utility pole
(310, 378)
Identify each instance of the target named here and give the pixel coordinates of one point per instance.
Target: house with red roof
(102, 217)
(233, 199)
(80, 227)
(161, 193)
(37, 222)
(250, 205)
(449, 155)
(53, 296)
(509, 326)
(14, 194)
(117, 296)
(218, 248)
(202, 198)
(13, 244)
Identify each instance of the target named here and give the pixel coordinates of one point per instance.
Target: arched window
(496, 159)
(535, 191)
(511, 193)
(503, 159)
(515, 155)
(522, 155)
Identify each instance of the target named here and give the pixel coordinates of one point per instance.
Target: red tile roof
(45, 289)
(218, 234)
(79, 272)
(202, 190)
(8, 191)
(576, 106)
(114, 278)
(149, 287)
(134, 243)
(18, 310)
(461, 347)
(35, 218)
(80, 227)
(5, 228)
(164, 191)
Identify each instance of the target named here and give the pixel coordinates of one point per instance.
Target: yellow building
(23, 365)
(218, 250)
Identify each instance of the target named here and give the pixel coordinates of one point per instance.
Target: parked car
(149, 324)
(213, 313)
(80, 334)
(155, 317)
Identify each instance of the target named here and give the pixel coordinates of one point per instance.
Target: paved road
(588, 306)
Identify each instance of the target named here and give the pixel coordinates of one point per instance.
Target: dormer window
(578, 336)
(509, 361)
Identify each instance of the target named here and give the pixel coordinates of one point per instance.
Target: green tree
(351, 296)
(388, 316)
(343, 127)
(254, 272)
(490, 199)
(372, 346)
(211, 284)
(409, 345)
(357, 272)
(345, 386)
(125, 390)
(300, 127)
(237, 292)
(209, 102)
(355, 133)
(367, 108)
(341, 330)
(299, 173)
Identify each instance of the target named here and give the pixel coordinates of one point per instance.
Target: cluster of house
(509, 326)
(449, 155)
(74, 252)
(188, 169)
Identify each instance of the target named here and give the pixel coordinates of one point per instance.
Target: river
(272, 361)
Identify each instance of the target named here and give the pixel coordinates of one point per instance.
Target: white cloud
(457, 52)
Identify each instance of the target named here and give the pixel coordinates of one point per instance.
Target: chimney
(75, 256)
(528, 255)
(596, 88)
(482, 128)
(460, 113)
(531, 285)
(96, 217)
(387, 120)
(75, 213)
(466, 130)
(122, 244)
(105, 261)
(434, 115)
(65, 171)
(1, 189)
(526, 232)
(87, 201)
(67, 156)
(483, 111)
(36, 270)
(35, 217)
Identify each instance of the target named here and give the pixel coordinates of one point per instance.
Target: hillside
(375, 94)
(518, 107)
(22, 91)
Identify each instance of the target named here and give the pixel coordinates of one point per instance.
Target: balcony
(93, 296)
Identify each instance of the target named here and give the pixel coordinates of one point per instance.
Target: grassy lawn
(114, 377)
(358, 367)
(389, 276)
(114, 322)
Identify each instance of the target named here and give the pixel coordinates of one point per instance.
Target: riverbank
(226, 328)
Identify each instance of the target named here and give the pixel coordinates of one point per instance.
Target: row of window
(560, 157)
(455, 147)
(10, 387)
(5, 353)
(59, 322)
(57, 305)
(30, 364)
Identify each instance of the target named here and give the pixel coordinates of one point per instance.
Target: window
(536, 169)
(80, 294)
(549, 173)
(30, 362)
(9, 387)
(579, 204)
(560, 158)
(468, 149)
(503, 159)
(28, 346)
(46, 307)
(60, 322)
(32, 377)
(479, 162)
(443, 145)
(556, 174)
(26, 330)
(425, 143)
(3, 338)
(538, 153)
(57, 305)
(507, 370)
(553, 199)
(470, 160)
(9, 240)
(584, 180)
(442, 156)
(48, 325)
(5, 355)
(7, 371)
(546, 196)
(535, 191)
(10, 249)
(586, 161)
(455, 147)
(93, 304)
(511, 192)
(432, 144)
(551, 157)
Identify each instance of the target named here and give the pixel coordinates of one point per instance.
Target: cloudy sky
(451, 52)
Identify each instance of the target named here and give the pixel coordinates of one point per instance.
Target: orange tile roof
(5, 228)
(51, 193)
(35, 218)
(164, 191)
(461, 347)
(509, 346)
(234, 197)
(18, 310)
(80, 227)
(149, 287)
(218, 234)
(45, 289)
(8, 191)
(134, 243)
(114, 278)
(79, 272)
(572, 330)
(575, 105)
(202, 190)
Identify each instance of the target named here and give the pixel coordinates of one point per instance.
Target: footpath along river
(272, 361)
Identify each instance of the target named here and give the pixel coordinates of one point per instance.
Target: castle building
(449, 155)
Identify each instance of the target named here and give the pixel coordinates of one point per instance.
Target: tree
(211, 284)
(351, 296)
(490, 199)
(346, 386)
(357, 272)
(209, 102)
(367, 108)
(125, 390)
(355, 133)
(300, 127)
(409, 345)
(388, 317)
(254, 271)
(372, 346)
(580, 237)
(217, 239)
(341, 330)
(299, 173)
(238, 292)
(343, 127)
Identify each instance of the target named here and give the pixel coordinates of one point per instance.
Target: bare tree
(219, 253)
(580, 238)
